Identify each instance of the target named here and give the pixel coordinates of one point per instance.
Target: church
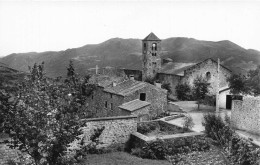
(153, 68)
(167, 71)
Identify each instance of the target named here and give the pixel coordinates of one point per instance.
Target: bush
(239, 151)
(216, 129)
(146, 127)
(209, 100)
(188, 122)
(163, 149)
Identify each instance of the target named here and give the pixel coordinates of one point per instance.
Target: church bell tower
(151, 56)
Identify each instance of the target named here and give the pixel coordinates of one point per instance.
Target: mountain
(126, 53)
(9, 77)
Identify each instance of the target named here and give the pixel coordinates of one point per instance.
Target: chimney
(113, 84)
(159, 85)
(132, 77)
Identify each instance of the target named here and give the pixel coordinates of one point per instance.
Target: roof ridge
(151, 37)
(130, 101)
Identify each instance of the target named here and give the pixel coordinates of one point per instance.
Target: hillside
(126, 53)
(9, 77)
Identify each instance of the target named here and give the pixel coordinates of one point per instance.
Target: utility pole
(217, 90)
(96, 69)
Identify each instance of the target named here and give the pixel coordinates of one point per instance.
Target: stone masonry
(117, 129)
(208, 70)
(7, 154)
(245, 115)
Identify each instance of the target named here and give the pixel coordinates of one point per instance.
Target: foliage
(161, 149)
(183, 91)
(200, 89)
(43, 116)
(238, 150)
(253, 81)
(188, 122)
(237, 84)
(146, 127)
(216, 129)
(167, 86)
(250, 84)
(150, 80)
(209, 100)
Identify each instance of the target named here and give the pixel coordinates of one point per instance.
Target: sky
(38, 25)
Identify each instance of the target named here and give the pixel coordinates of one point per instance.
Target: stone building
(114, 97)
(170, 73)
(151, 50)
(165, 74)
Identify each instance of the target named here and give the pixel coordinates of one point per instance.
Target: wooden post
(217, 90)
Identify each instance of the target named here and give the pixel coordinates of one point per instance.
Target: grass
(120, 158)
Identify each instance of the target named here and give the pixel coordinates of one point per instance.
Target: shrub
(146, 127)
(188, 122)
(209, 100)
(163, 149)
(239, 151)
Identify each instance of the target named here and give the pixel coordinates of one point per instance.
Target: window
(110, 95)
(144, 45)
(154, 46)
(142, 96)
(153, 54)
(208, 76)
(106, 104)
(111, 106)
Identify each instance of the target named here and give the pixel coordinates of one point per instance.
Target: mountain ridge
(126, 53)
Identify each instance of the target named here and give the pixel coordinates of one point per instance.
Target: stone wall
(245, 115)
(103, 104)
(172, 79)
(117, 129)
(202, 68)
(7, 154)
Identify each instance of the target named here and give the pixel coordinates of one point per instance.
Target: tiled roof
(105, 81)
(126, 87)
(208, 59)
(151, 37)
(134, 105)
(175, 68)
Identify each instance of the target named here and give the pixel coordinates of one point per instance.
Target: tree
(253, 81)
(183, 91)
(237, 84)
(250, 84)
(44, 116)
(200, 89)
(167, 86)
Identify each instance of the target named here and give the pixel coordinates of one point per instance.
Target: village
(144, 107)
